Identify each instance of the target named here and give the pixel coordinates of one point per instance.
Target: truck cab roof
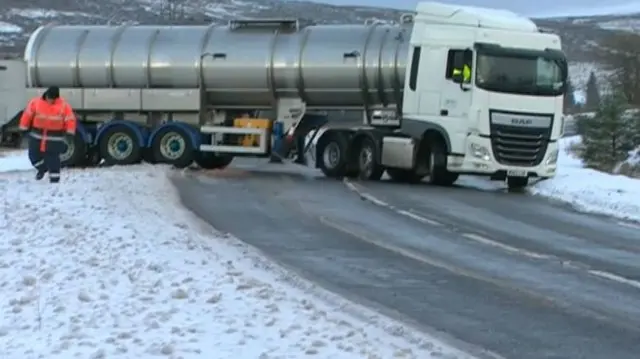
(451, 14)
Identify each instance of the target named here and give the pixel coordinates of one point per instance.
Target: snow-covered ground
(589, 190)
(107, 264)
(6, 27)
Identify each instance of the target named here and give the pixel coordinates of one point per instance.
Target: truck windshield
(528, 73)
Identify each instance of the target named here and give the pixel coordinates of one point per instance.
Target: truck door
(456, 91)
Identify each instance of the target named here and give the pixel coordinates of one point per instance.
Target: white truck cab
(504, 117)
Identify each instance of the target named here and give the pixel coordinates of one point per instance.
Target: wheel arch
(418, 128)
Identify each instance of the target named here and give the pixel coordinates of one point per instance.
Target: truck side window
(415, 66)
(455, 58)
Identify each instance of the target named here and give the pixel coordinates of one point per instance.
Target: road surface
(512, 275)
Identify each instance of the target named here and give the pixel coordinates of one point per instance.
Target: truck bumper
(479, 160)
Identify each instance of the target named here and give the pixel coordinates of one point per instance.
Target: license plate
(516, 173)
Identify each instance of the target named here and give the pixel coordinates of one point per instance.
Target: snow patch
(108, 264)
(14, 161)
(631, 25)
(589, 190)
(36, 13)
(579, 73)
(6, 27)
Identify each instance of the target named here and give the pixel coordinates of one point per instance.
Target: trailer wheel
(333, 155)
(75, 153)
(517, 184)
(404, 176)
(368, 165)
(173, 146)
(119, 146)
(212, 161)
(438, 173)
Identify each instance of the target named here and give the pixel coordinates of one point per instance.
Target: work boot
(40, 175)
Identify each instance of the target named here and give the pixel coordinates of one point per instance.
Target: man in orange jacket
(49, 118)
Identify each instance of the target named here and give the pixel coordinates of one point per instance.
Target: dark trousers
(49, 160)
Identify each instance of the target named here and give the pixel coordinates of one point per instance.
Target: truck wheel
(438, 174)
(517, 183)
(173, 146)
(119, 146)
(333, 156)
(368, 166)
(75, 153)
(148, 156)
(404, 176)
(212, 161)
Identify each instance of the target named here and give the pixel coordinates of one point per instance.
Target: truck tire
(333, 155)
(119, 146)
(369, 168)
(212, 161)
(517, 183)
(75, 154)
(404, 176)
(438, 173)
(172, 145)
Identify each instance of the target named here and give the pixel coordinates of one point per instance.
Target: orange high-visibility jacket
(48, 121)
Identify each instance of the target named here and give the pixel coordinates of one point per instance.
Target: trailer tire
(333, 155)
(212, 161)
(438, 173)
(119, 146)
(517, 184)
(92, 159)
(369, 168)
(148, 156)
(172, 145)
(404, 176)
(75, 154)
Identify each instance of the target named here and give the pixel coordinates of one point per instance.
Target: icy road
(517, 276)
(108, 264)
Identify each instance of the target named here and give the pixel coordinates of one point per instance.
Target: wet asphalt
(510, 275)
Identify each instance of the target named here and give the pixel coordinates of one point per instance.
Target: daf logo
(521, 121)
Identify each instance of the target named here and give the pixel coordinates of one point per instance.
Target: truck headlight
(479, 151)
(553, 158)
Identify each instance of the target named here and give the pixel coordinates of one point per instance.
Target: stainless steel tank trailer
(179, 94)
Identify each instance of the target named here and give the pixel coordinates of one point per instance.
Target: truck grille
(520, 145)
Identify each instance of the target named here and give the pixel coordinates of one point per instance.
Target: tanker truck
(445, 91)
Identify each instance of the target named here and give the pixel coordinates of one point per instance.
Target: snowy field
(591, 191)
(107, 264)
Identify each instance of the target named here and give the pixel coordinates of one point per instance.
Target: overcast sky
(525, 7)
